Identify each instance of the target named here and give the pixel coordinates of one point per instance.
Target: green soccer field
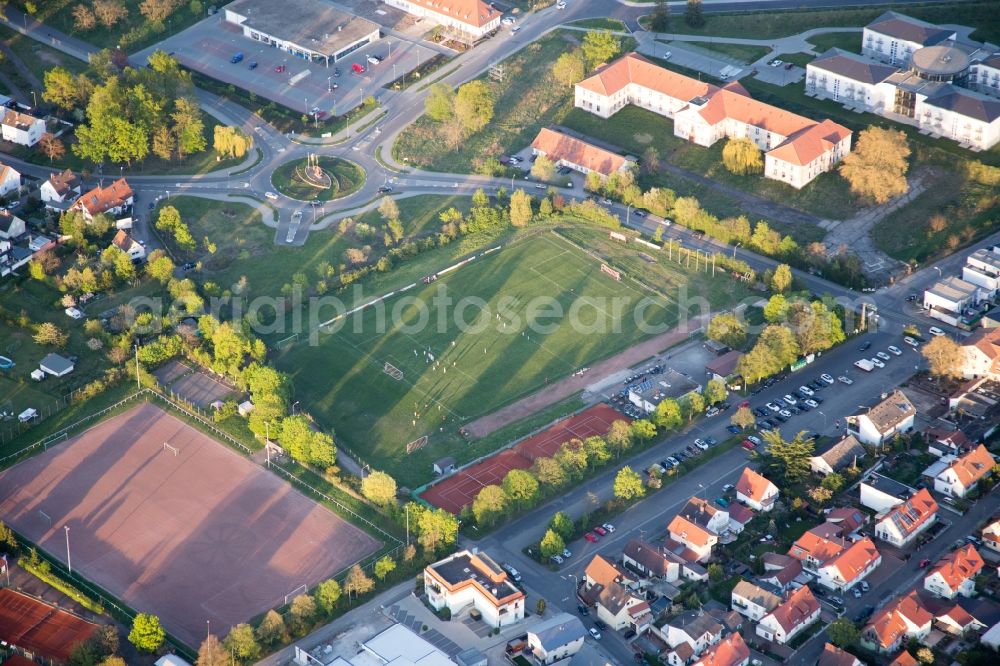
(451, 375)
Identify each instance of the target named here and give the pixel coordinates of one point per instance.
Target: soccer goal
(171, 449)
(285, 343)
(416, 444)
(301, 589)
(392, 371)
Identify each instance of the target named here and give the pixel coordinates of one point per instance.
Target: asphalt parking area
(209, 46)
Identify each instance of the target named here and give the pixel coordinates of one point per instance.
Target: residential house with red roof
(949, 442)
(991, 534)
(780, 570)
(904, 658)
(10, 179)
(982, 353)
(834, 656)
(955, 573)
(903, 522)
(964, 472)
(797, 149)
(621, 608)
(688, 635)
(799, 610)
(20, 128)
(57, 191)
(897, 623)
(109, 200)
(730, 651)
(695, 538)
(849, 567)
(577, 154)
(756, 491)
(130, 246)
(473, 18)
(818, 546)
(957, 621)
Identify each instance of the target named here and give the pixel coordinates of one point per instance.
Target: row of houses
(796, 149)
(916, 72)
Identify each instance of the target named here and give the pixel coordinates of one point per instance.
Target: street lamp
(824, 418)
(734, 249)
(69, 560)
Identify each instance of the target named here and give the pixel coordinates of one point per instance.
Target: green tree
(843, 633)
(788, 459)
(668, 414)
(659, 20)
(742, 157)
(164, 143)
(715, 391)
(520, 208)
(146, 635)
(49, 334)
(388, 209)
(543, 169)
(474, 106)
(833, 482)
(945, 357)
(271, 629)
(643, 430)
(357, 583)
(63, 89)
(562, 525)
(693, 404)
(231, 141)
(438, 529)
(743, 418)
(816, 327)
(782, 278)
(211, 652)
(628, 484)
(876, 167)
(596, 450)
(380, 488)
(384, 566)
(159, 266)
(551, 544)
(549, 472)
(440, 102)
(569, 68)
(728, 329)
(715, 572)
(520, 487)
(573, 458)
(301, 613)
(599, 47)
(189, 128)
(489, 504)
(327, 595)
(242, 644)
(619, 437)
(693, 15)
(776, 309)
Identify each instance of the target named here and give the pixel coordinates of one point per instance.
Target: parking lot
(209, 47)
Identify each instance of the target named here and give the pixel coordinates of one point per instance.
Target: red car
(590, 537)
(358, 68)
(748, 445)
(600, 530)
(925, 563)
(280, 69)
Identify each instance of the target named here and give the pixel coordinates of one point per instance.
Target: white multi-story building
(947, 299)
(894, 37)
(903, 522)
(10, 180)
(850, 79)
(893, 415)
(964, 472)
(982, 354)
(799, 610)
(850, 567)
(796, 149)
(558, 637)
(58, 191)
(982, 268)
(896, 623)
(752, 601)
(577, 154)
(881, 493)
(474, 579)
(756, 491)
(955, 573)
(473, 18)
(20, 128)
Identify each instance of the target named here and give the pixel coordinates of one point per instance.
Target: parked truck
(865, 365)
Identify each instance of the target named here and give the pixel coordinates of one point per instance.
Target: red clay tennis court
(457, 491)
(38, 627)
(176, 524)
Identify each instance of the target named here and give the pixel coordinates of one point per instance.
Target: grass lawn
(767, 25)
(341, 380)
(345, 178)
(36, 57)
(600, 24)
(849, 41)
(745, 53)
(134, 32)
(800, 59)
(528, 99)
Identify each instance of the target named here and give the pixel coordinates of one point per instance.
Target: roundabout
(318, 178)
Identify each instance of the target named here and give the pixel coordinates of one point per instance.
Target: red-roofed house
(982, 353)
(566, 150)
(798, 611)
(694, 537)
(896, 623)
(964, 473)
(730, 651)
(468, 17)
(834, 656)
(111, 200)
(904, 658)
(620, 608)
(957, 621)
(797, 148)
(851, 566)
(817, 547)
(20, 128)
(991, 534)
(130, 246)
(756, 491)
(955, 573)
(10, 179)
(903, 522)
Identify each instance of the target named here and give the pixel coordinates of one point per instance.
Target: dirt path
(564, 388)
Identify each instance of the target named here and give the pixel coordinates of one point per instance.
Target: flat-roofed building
(474, 579)
(310, 29)
(947, 299)
(982, 268)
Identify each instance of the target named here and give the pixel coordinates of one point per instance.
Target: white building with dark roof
(894, 37)
(836, 456)
(850, 79)
(556, 637)
(10, 179)
(947, 299)
(880, 423)
(982, 268)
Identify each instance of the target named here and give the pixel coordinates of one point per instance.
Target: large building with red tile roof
(982, 352)
(474, 18)
(797, 149)
(964, 473)
(850, 567)
(897, 623)
(756, 491)
(730, 651)
(113, 199)
(903, 522)
(799, 610)
(955, 573)
(577, 154)
(695, 537)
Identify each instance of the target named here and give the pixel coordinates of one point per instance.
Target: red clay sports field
(458, 490)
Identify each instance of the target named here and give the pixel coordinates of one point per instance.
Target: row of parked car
(805, 399)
